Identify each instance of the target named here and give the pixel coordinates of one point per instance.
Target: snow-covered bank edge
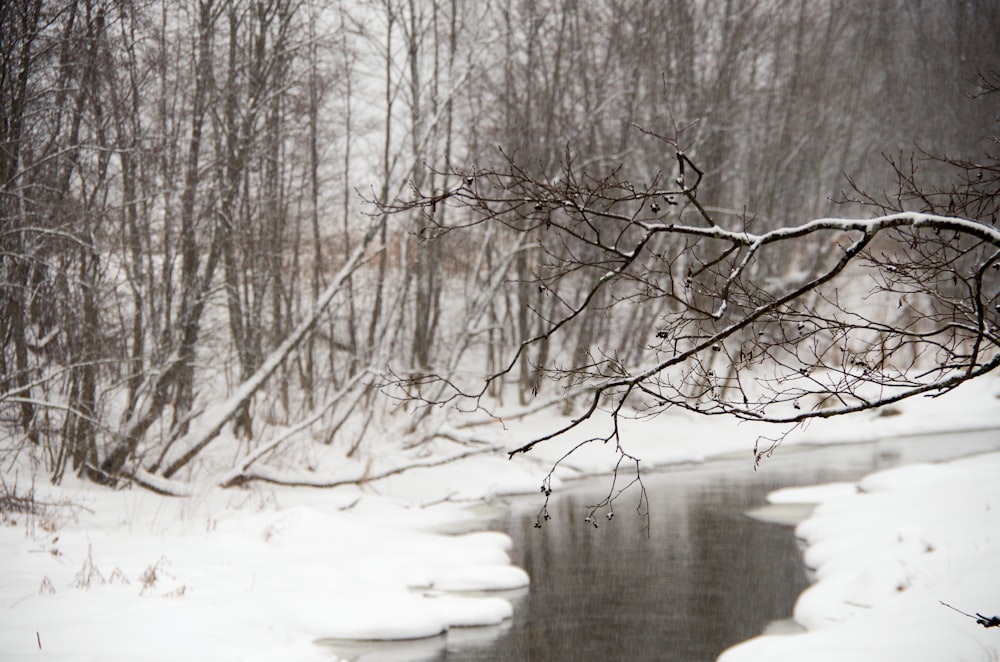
(262, 572)
(885, 556)
(132, 575)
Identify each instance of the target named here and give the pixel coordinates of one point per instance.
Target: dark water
(703, 577)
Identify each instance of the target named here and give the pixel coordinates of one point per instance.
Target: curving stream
(705, 577)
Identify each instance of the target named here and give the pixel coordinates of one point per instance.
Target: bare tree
(903, 304)
(19, 29)
(182, 183)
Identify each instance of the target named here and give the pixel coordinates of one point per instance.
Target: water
(702, 577)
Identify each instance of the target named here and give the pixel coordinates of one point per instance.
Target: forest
(277, 224)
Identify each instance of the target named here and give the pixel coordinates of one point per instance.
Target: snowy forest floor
(261, 572)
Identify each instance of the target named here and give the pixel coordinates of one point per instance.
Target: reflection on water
(704, 578)
(417, 650)
(430, 648)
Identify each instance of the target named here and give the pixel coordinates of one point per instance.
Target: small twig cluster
(89, 574)
(13, 503)
(605, 507)
(985, 621)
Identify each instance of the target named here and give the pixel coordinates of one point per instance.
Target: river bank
(263, 572)
(896, 559)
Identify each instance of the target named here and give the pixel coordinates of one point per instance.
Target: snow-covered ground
(887, 553)
(262, 572)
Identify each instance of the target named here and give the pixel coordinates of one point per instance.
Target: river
(695, 578)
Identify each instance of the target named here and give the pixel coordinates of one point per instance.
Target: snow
(263, 572)
(260, 577)
(812, 493)
(885, 556)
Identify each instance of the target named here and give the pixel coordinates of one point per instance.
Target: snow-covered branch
(776, 323)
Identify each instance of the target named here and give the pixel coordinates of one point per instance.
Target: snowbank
(264, 572)
(240, 575)
(885, 556)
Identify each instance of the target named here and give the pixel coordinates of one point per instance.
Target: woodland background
(182, 181)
